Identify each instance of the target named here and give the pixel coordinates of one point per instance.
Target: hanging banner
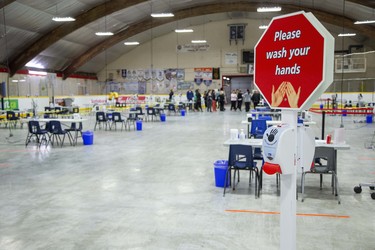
(192, 48)
(203, 75)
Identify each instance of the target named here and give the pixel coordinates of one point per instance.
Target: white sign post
(294, 61)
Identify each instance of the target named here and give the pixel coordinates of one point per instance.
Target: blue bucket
(162, 117)
(88, 137)
(182, 112)
(369, 119)
(139, 125)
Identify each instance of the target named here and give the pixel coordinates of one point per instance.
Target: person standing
(239, 100)
(189, 97)
(199, 100)
(247, 100)
(209, 101)
(233, 100)
(171, 95)
(213, 97)
(221, 99)
(255, 98)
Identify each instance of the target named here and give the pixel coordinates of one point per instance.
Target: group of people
(213, 100)
(237, 98)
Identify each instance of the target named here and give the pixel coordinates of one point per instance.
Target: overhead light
(268, 9)
(34, 65)
(106, 33)
(198, 41)
(40, 73)
(183, 30)
(162, 14)
(347, 34)
(263, 27)
(364, 22)
(63, 19)
(14, 80)
(131, 43)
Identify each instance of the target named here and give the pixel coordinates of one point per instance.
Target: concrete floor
(154, 189)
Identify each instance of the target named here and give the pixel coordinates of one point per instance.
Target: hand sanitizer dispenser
(278, 142)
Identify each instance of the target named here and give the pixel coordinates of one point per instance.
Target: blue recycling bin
(369, 119)
(220, 170)
(88, 137)
(139, 125)
(162, 117)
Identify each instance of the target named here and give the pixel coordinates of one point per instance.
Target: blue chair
(241, 158)
(116, 118)
(101, 118)
(77, 129)
(40, 135)
(258, 127)
(56, 131)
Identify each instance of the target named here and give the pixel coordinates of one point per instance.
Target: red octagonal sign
(294, 61)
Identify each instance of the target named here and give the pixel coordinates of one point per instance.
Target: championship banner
(203, 75)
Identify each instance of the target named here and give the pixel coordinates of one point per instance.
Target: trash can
(162, 117)
(321, 106)
(220, 169)
(369, 119)
(344, 112)
(139, 125)
(88, 137)
(182, 112)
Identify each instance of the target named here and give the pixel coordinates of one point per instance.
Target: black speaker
(3, 89)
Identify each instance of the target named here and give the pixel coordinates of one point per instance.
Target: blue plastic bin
(220, 169)
(162, 117)
(182, 112)
(88, 137)
(139, 125)
(369, 119)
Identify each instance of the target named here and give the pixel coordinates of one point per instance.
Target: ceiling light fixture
(269, 9)
(198, 41)
(34, 65)
(183, 30)
(263, 27)
(63, 19)
(131, 43)
(106, 33)
(39, 73)
(162, 14)
(347, 34)
(364, 22)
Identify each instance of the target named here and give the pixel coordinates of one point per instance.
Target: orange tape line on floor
(298, 214)
(4, 165)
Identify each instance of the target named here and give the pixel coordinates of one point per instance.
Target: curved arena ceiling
(28, 34)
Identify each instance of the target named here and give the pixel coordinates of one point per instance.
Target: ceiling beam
(149, 23)
(63, 30)
(5, 3)
(367, 3)
(19, 60)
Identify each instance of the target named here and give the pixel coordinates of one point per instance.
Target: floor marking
(298, 214)
(4, 165)
(366, 158)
